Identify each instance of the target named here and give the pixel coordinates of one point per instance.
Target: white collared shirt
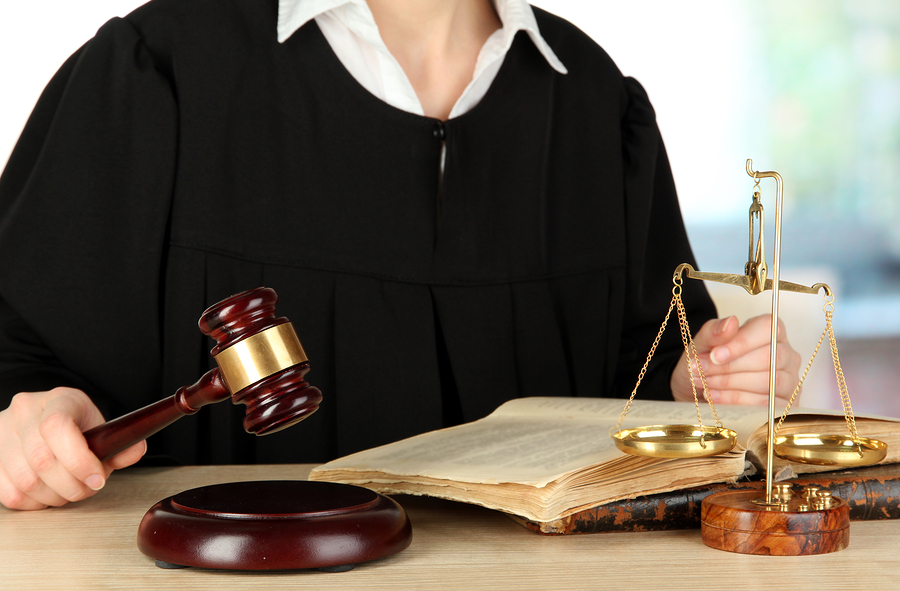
(350, 29)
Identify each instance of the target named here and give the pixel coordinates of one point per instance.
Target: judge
(459, 202)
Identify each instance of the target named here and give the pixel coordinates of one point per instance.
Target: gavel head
(260, 360)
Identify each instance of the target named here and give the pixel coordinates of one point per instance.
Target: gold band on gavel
(260, 356)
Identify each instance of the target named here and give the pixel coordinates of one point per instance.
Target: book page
(550, 456)
(495, 449)
(743, 419)
(609, 410)
(528, 441)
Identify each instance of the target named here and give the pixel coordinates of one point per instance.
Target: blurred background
(808, 88)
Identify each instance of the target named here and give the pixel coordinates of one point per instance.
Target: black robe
(183, 155)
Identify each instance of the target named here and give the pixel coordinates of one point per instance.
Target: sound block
(732, 521)
(274, 525)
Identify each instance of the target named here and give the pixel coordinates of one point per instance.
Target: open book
(545, 458)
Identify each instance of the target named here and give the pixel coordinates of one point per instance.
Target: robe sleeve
(84, 202)
(657, 243)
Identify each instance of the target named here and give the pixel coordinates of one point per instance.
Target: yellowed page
(530, 441)
(550, 456)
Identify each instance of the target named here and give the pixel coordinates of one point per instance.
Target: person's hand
(735, 360)
(44, 458)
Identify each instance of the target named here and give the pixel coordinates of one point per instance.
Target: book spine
(871, 495)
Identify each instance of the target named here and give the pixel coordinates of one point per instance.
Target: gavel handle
(114, 436)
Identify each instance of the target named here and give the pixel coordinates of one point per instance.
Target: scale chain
(690, 352)
(839, 374)
(653, 347)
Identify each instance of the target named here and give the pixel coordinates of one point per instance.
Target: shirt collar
(515, 15)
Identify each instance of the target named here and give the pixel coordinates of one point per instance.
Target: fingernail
(95, 482)
(720, 355)
(712, 395)
(720, 327)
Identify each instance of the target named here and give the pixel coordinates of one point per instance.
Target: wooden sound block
(274, 525)
(731, 521)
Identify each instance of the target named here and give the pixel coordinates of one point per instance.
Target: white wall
(36, 37)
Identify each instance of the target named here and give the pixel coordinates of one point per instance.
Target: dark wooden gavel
(260, 364)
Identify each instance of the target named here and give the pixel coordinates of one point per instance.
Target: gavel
(261, 364)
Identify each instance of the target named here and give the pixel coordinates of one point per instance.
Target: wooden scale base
(274, 525)
(732, 521)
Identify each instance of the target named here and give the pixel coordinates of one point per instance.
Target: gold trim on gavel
(260, 356)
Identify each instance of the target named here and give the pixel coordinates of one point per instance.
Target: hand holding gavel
(46, 460)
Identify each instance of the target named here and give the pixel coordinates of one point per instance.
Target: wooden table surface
(92, 545)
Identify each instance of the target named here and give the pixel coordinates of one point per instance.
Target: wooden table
(91, 545)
